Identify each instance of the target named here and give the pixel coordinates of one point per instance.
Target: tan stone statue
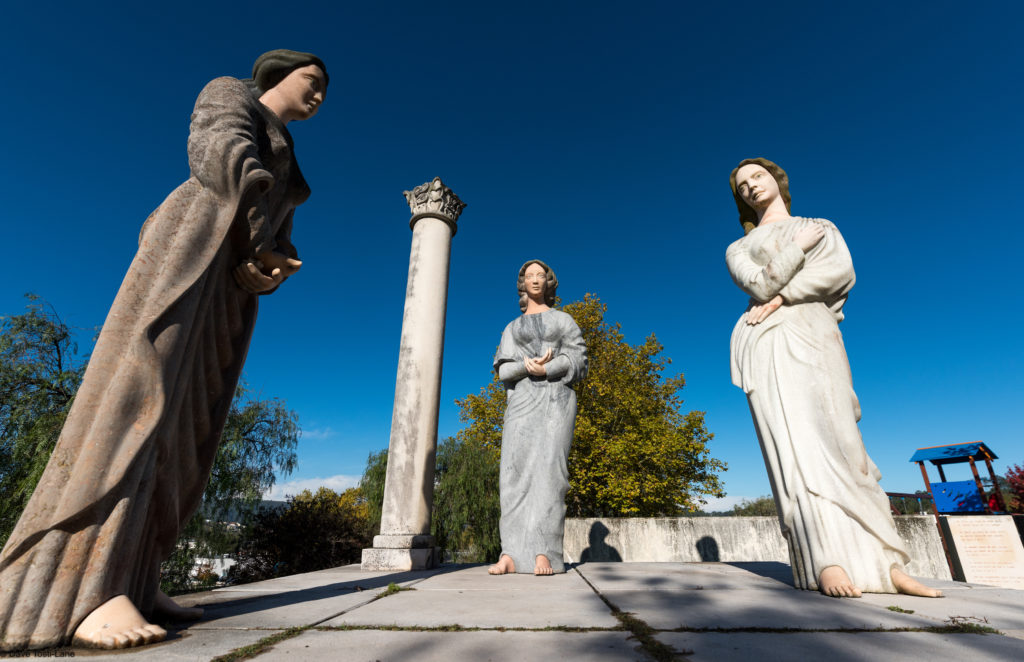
(135, 453)
(788, 356)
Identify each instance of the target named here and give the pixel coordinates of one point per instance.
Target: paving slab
(475, 578)
(469, 597)
(402, 646)
(1001, 608)
(802, 610)
(728, 596)
(687, 576)
(667, 596)
(182, 646)
(296, 600)
(843, 646)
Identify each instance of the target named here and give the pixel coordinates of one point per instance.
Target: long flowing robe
(135, 454)
(540, 416)
(794, 370)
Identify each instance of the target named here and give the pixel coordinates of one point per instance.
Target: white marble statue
(541, 355)
(788, 356)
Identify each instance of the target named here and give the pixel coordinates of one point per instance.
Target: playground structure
(960, 496)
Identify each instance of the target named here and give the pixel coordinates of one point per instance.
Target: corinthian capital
(434, 200)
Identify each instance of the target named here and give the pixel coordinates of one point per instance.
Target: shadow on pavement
(769, 569)
(238, 599)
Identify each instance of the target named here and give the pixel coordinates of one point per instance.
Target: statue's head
(748, 217)
(273, 66)
(550, 283)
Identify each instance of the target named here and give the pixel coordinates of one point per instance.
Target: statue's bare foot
(171, 610)
(836, 583)
(543, 566)
(117, 624)
(907, 585)
(503, 567)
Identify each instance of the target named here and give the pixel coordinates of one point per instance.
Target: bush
(313, 532)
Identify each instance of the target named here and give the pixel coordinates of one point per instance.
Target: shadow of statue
(707, 547)
(599, 550)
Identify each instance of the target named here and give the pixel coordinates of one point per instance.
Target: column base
(377, 558)
(401, 552)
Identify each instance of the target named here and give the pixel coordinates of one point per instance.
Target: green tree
(466, 501)
(40, 371)
(258, 444)
(1005, 489)
(760, 507)
(372, 487)
(313, 532)
(634, 453)
(39, 375)
(1015, 487)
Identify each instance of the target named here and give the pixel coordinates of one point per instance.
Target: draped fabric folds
(537, 434)
(134, 457)
(794, 370)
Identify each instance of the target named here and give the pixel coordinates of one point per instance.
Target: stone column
(405, 542)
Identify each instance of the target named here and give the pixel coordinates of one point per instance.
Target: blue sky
(597, 136)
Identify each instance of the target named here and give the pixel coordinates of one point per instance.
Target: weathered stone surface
(842, 646)
(138, 444)
(1000, 608)
(788, 356)
(403, 542)
(720, 595)
(727, 539)
(537, 433)
(392, 646)
(436, 200)
(409, 486)
(469, 597)
(188, 645)
(378, 558)
(702, 596)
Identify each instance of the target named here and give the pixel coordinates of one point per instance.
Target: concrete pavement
(596, 611)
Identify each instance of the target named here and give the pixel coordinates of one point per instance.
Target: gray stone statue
(134, 457)
(788, 356)
(540, 356)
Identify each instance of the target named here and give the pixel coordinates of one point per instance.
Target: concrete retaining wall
(726, 539)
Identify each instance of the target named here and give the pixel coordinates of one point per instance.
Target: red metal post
(995, 483)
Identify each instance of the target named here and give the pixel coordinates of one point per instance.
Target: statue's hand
(548, 355)
(250, 278)
(807, 238)
(535, 367)
(265, 273)
(760, 312)
(272, 261)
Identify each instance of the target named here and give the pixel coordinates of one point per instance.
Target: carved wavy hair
(272, 67)
(748, 217)
(549, 289)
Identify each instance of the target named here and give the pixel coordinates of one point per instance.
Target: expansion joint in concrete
(454, 627)
(252, 650)
(641, 631)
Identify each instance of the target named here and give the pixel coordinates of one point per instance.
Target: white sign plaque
(989, 549)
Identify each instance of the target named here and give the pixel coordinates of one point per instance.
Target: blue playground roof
(954, 453)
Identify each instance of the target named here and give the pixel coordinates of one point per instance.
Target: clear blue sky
(597, 136)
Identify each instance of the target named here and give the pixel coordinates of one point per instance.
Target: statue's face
(536, 280)
(303, 91)
(756, 186)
